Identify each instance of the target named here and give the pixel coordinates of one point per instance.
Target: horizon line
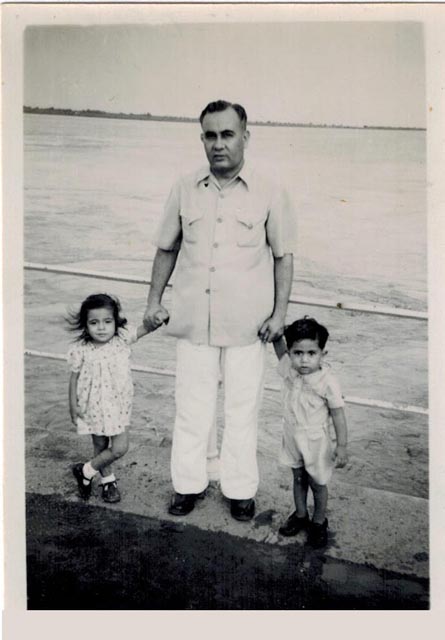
(97, 113)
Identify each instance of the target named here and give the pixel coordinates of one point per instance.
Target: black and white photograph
(225, 340)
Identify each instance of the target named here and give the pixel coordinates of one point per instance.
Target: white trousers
(197, 375)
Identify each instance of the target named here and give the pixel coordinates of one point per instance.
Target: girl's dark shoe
(294, 524)
(110, 492)
(318, 534)
(84, 489)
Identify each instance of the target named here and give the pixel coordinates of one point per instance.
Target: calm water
(95, 188)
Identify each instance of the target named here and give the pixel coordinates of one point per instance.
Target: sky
(350, 73)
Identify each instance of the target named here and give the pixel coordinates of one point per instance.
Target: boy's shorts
(310, 448)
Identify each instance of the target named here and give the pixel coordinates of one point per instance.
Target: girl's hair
(306, 329)
(78, 320)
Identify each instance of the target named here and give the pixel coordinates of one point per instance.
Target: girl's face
(306, 356)
(101, 324)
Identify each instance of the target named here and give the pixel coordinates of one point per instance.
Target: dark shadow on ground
(83, 557)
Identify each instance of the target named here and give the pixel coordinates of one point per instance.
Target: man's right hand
(154, 316)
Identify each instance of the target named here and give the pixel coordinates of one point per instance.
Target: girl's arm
(341, 431)
(142, 330)
(72, 395)
(280, 347)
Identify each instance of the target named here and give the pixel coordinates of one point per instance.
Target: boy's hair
(78, 320)
(306, 329)
(222, 105)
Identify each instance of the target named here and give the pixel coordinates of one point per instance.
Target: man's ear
(202, 137)
(246, 136)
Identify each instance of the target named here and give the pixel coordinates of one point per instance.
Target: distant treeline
(96, 113)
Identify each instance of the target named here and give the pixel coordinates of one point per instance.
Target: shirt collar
(245, 174)
(315, 376)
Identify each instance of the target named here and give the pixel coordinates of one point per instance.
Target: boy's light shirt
(223, 286)
(308, 398)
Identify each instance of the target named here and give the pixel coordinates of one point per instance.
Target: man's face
(224, 141)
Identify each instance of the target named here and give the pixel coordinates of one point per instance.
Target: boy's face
(306, 356)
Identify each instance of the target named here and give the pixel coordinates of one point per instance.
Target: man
(231, 235)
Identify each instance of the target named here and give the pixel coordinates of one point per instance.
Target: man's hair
(222, 105)
(306, 329)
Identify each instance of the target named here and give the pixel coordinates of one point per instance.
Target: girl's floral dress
(105, 385)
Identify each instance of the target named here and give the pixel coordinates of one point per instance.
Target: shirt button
(221, 195)
(219, 219)
(212, 269)
(215, 244)
(207, 290)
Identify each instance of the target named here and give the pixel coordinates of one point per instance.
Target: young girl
(101, 388)
(311, 398)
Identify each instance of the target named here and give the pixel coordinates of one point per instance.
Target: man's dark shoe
(294, 524)
(84, 489)
(110, 492)
(182, 503)
(242, 510)
(318, 534)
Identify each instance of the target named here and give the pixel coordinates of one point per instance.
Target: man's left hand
(271, 329)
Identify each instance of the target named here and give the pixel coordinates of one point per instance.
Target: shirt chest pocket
(192, 223)
(250, 228)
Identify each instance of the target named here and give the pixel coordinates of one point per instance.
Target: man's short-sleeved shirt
(223, 287)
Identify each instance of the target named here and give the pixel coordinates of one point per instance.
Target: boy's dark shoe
(110, 492)
(242, 510)
(318, 534)
(84, 489)
(182, 503)
(294, 524)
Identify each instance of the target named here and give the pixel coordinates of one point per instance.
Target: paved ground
(88, 557)
(134, 555)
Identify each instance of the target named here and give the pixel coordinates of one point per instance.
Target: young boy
(311, 398)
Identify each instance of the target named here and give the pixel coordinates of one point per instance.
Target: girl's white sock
(110, 478)
(88, 471)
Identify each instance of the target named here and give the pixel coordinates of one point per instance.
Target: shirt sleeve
(283, 366)
(169, 230)
(334, 396)
(281, 226)
(128, 334)
(75, 358)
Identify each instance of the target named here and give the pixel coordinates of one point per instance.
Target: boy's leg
(318, 530)
(298, 520)
(320, 493)
(197, 376)
(301, 481)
